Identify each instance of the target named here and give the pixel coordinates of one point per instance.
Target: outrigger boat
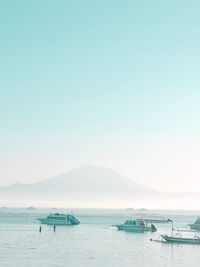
(138, 225)
(196, 224)
(181, 240)
(177, 238)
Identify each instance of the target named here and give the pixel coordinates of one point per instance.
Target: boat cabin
(56, 216)
(137, 223)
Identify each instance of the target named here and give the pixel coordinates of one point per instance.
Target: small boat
(181, 240)
(138, 225)
(30, 208)
(59, 219)
(177, 238)
(196, 224)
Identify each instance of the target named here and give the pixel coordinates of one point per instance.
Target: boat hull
(179, 240)
(134, 229)
(53, 222)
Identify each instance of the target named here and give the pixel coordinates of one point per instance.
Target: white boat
(59, 219)
(181, 240)
(196, 224)
(138, 225)
(177, 238)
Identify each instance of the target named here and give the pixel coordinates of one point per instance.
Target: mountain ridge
(89, 179)
(86, 178)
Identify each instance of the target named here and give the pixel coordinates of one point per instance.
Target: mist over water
(93, 187)
(113, 202)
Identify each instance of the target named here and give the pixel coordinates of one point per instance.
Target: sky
(109, 83)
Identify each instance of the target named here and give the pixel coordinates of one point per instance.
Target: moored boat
(181, 240)
(59, 219)
(138, 225)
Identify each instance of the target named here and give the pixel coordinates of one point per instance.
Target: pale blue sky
(112, 83)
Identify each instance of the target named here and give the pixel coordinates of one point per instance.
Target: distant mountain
(90, 186)
(83, 180)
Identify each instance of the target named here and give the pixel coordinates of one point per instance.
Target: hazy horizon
(93, 187)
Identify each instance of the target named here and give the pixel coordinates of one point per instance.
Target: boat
(177, 238)
(129, 209)
(30, 208)
(181, 240)
(196, 224)
(138, 225)
(59, 219)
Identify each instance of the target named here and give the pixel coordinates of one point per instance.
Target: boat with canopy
(138, 225)
(181, 240)
(177, 238)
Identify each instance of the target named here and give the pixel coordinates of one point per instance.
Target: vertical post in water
(170, 221)
(54, 228)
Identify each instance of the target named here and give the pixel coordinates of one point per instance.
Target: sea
(95, 241)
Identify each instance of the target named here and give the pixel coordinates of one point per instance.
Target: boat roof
(57, 214)
(60, 214)
(136, 220)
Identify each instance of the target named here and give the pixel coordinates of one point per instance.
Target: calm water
(92, 243)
